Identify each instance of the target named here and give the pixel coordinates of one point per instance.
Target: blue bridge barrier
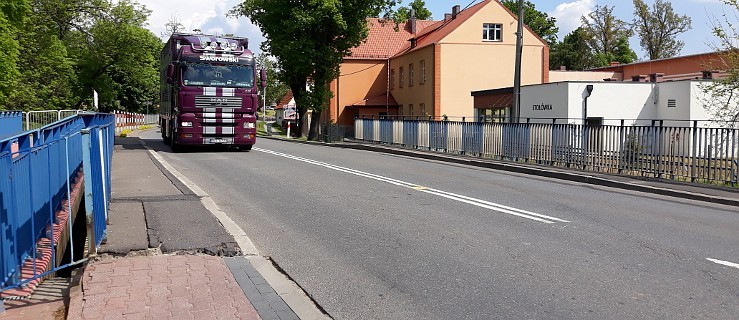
(44, 175)
(11, 123)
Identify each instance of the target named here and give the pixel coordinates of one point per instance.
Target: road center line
(456, 197)
(726, 263)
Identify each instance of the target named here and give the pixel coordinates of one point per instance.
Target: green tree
(721, 96)
(539, 22)
(47, 72)
(658, 28)
(120, 60)
(573, 52)
(419, 9)
(12, 14)
(276, 89)
(311, 47)
(608, 36)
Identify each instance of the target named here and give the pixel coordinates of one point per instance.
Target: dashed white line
(457, 197)
(726, 263)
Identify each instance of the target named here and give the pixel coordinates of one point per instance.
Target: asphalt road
(375, 236)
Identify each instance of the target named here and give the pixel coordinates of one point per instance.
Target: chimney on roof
(614, 63)
(638, 78)
(562, 68)
(447, 16)
(455, 11)
(412, 22)
(655, 76)
(707, 74)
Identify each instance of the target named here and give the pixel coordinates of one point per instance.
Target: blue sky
(210, 16)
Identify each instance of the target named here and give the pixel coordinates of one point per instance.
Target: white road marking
(290, 292)
(726, 263)
(457, 197)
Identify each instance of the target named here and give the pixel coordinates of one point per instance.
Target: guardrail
(42, 184)
(686, 153)
(132, 121)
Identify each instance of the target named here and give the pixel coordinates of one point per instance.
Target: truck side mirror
(263, 78)
(170, 71)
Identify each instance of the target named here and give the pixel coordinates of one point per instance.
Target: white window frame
(492, 32)
(411, 76)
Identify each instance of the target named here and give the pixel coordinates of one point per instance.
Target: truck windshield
(198, 74)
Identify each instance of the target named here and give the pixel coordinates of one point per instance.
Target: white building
(676, 103)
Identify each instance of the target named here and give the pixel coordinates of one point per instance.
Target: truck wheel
(173, 144)
(165, 138)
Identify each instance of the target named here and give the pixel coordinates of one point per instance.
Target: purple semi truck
(208, 91)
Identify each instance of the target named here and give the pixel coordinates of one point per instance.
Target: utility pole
(516, 112)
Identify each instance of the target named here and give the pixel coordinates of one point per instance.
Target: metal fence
(38, 119)
(686, 153)
(42, 183)
(132, 120)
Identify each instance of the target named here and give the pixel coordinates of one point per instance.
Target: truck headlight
(249, 125)
(186, 124)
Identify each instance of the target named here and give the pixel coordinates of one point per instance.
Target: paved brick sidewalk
(162, 287)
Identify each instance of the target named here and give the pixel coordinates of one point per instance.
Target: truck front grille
(217, 102)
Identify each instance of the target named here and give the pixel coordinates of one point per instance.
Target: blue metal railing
(38, 169)
(11, 123)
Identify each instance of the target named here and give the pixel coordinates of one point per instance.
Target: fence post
(87, 168)
(693, 176)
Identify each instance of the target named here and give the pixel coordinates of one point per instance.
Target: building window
(423, 109)
(392, 79)
(492, 31)
(401, 78)
(671, 103)
(423, 71)
(410, 109)
(411, 70)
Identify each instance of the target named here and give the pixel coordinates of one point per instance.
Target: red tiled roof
(383, 40)
(382, 100)
(441, 29)
(285, 100)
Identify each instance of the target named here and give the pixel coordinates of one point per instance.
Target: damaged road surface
(146, 198)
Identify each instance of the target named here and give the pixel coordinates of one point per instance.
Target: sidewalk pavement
(166, 256)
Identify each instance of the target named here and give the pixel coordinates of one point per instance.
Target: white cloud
(208, 16)
(568, 15)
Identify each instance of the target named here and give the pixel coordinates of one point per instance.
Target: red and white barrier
(132, 121)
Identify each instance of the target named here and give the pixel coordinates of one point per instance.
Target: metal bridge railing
(686, 153)
(41, 184)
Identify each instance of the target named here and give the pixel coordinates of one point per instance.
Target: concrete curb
(567, 176)
(297, 299)
(74, 309)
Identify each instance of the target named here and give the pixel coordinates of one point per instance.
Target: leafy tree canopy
(573, 52)
(608, 36)
(276, 89)
(419, 9)
(539, 22)
(659, 27)
(310, 48)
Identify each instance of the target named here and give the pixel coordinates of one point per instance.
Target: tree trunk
(314, 122)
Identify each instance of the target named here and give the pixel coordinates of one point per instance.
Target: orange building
(429, 68)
